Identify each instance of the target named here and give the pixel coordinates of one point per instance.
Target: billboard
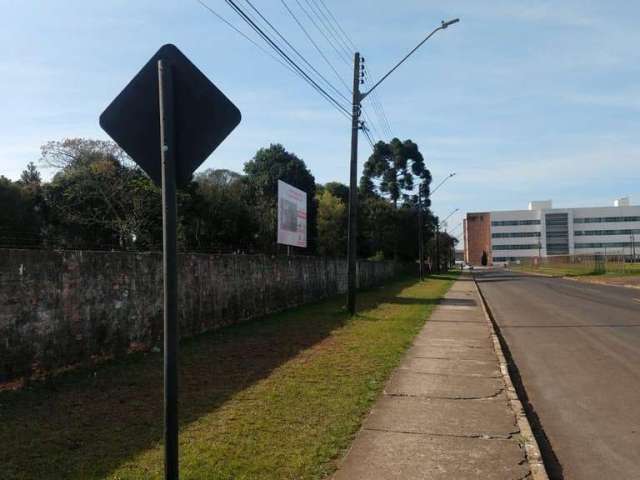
(292, 215)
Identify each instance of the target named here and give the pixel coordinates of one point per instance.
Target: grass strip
(276, 398)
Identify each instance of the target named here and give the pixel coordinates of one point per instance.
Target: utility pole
(438, 246)
(353, 188)
(353, 173)
(420, 235)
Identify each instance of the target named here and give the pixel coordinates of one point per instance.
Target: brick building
(477, 237)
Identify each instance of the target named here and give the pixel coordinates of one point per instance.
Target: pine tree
(31, 175)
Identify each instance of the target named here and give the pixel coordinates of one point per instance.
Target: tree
(377, 232)
(20, 215)
(98, 198)
(338, 190)
(31, 175)
(223, 219)
(262, 174)
(395, 165)
(332, 225)
(484, 260)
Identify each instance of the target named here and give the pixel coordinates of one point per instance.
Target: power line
(331, 30)
(353, 45)
(379, 109)
(348, 43)
(375, 129)
(293, 15)
(296, 51)
(322, 53)
(365, 129)
(273, 45)
(240, 32)
(315, 24)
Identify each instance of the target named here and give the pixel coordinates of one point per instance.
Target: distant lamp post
(438, 235)
(452, 174)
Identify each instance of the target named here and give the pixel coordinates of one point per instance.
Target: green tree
(338, 190)
(377, 232)
(262, 174)
(98, 198)
(332, 225)
(224, 220)
(395, 165)
(20, 215)
(31, 175)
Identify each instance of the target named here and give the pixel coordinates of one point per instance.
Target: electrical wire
(243, 15)
(313, 42)
(277, 32)
(347, 44)
(353, 45)
(315, 24)
(365, 129)
(240, 32)
(332, 31)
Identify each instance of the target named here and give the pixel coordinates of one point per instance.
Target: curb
(532, 450)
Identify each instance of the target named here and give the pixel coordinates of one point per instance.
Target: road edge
(532, 449)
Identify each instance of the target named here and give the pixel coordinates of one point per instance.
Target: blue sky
(524, 100)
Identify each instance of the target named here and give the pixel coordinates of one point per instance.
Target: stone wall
(62, 308)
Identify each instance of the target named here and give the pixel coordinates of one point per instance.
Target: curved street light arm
(442, 26)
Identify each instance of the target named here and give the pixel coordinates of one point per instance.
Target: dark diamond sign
(203, 116)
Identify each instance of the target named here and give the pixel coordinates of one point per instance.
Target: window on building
(515, 247)
(515, 234)
(606, 219)
(604, 245)
(512, 223)
(607, 232)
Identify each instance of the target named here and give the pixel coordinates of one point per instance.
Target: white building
(543, 231)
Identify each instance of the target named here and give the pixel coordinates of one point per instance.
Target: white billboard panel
(292, 215)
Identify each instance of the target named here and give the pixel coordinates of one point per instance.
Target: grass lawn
(277, 398)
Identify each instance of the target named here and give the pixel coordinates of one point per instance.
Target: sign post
(169, 119)
(170, 301)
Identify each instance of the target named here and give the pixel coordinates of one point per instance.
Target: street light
(420, 223)
(442, 26)
(442, 182)
(438, 238)
(356, 109)
(449, 216)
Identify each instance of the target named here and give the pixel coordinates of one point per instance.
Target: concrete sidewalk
(445, 412)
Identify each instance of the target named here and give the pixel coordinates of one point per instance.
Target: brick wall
(477, 237)
(61, 308)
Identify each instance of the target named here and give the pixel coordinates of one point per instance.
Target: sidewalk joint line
(476, 436)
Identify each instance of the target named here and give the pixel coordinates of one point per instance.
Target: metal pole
(167, 149)
(437, 246)
(420, 237)
(353, 189)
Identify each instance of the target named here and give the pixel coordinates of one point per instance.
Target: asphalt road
(577, 350)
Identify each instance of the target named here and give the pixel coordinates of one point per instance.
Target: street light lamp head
(450, 22)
